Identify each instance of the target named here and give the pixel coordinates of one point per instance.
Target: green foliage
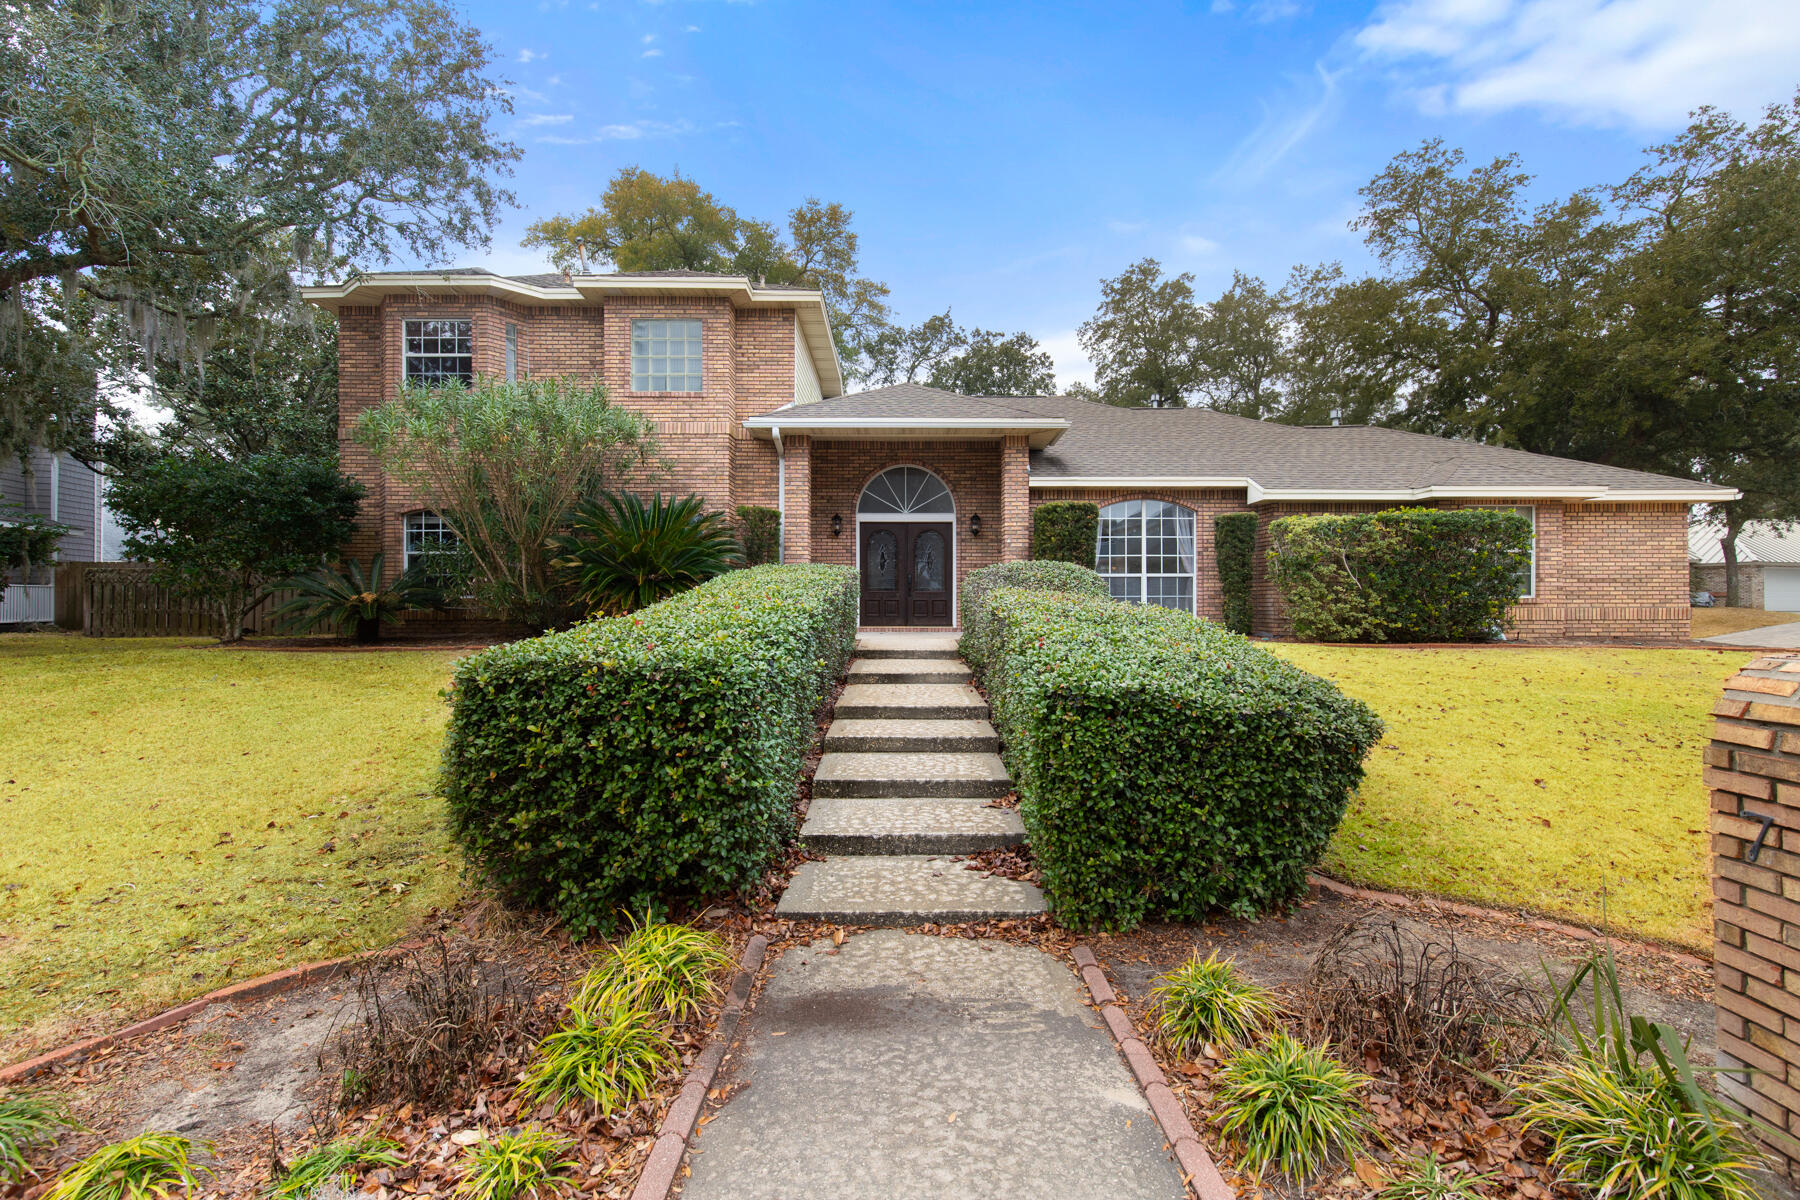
(1206, 1002)
(503, 463)
(1065, 531)
(622, 554)
(908, 353)
(1291, 1105)
(608, 1058)
(670, 969)
(352, 602)
(759, 534)
(26, 540)
(222, 529)
(991, 363)
(27, 1120)
(1043, 575)
(1165, 767)
(528, 1161)
(637, 758)
(335, 1162)
(1423, 1177)
(1234, 550)
(1401, 575)
(148, 1165)
(1144, 340)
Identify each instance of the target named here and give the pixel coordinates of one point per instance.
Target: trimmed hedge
(1234, 550)
(1402, 575)
(640, 758)
(759, 533)
(1038, 576)
(1166, 768)
(1065, 531)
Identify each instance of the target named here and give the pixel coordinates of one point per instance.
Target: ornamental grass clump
(1423, 1177)
(28, 1120)
(608, 1058)
(148, 1165)
(336, 1162)
(671, 969)
(1291, 1106)
(526, 1162)
(1206, 1002)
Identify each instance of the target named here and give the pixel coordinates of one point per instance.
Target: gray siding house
(58, 487)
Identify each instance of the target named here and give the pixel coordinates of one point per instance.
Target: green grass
(1560, 780)
(168, 806)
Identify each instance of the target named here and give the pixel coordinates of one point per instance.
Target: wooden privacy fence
(121, 600)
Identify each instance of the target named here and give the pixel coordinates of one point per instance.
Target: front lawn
(1708, 622)
(178, 816)
(1561, 780)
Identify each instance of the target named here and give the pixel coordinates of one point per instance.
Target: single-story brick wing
(917, 487)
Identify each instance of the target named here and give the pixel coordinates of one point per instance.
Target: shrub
(335, 1162)
(529, 1161)
(1040, 576)
(634, 759)
(150, 1164)
(1291, 1105)
(352, 603)
(1234, 550)
(623, 554)
(27, 1120)
(609, 1058)
(1165, 766)
(1065, 531)
(672, 969)
(759, 534)
(27, 540)
(1403, 575)
(1207, 1001)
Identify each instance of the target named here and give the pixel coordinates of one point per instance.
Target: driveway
(1786, 637)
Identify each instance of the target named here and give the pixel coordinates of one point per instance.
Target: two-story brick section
(917, 487)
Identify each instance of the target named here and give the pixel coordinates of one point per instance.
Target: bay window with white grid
(1146, 553)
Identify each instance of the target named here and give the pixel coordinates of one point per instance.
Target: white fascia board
(1696, 495)
(1145, 481)
(804, 424)
(332, 295)
(1257, 494)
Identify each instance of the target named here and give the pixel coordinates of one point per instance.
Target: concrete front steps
(911, 767)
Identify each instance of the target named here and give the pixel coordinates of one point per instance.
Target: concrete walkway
(1769, 637)
(905, 1065)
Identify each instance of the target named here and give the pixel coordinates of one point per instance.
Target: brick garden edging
(1201, 1173)
(262, 986)
(657, 1180)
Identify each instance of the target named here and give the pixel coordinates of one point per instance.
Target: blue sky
(1001, 159)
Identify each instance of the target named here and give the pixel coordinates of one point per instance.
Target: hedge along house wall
(1234, 549)
(1066, 531)
(648, 757)
(1166, 767)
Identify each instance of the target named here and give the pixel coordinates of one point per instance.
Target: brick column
(797, 500)
(1015, 499)
(1753, 767)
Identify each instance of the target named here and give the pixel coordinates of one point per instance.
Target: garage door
(1781, 589)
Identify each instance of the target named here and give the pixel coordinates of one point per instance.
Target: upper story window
(439, 350)
(665, 356)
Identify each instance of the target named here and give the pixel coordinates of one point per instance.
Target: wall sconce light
(837, 525)
(975, 525)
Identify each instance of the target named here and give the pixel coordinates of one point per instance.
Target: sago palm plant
(354, 603)
(621, 554)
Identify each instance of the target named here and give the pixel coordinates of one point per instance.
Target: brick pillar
(1753, 768)
(797, 500)
(1015, 499)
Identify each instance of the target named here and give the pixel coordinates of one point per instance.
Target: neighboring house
(917, 487)
(1768, 564)
(58, 487)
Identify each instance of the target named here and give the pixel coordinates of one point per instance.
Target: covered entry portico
(914, 493)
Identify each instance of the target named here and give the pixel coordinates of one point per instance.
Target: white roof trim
(793, 419)
(1257, 494)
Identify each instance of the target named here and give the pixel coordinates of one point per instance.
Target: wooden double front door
(907, 572)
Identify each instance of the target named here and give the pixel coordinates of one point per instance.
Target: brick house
(918, 487)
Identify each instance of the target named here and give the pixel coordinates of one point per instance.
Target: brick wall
(1603, 570)
(1711, 577)
(1753, 769)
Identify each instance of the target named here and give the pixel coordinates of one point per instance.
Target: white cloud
(1268, 11)
(1193, 243)
(652, 53)
(553, 81)
(1637, 62)
(648, 38)
(1283, 127)
(1072, 365)
(691, 29)
(535, 119)
(531, 56)
(624, 132)
(1126, 227)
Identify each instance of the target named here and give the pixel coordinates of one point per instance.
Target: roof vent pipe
(1337, 416)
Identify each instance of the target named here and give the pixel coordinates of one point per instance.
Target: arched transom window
(906, 492)
(1146, 552)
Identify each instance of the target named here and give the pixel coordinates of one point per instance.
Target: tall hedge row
(1403, 575)
(1066, 531)
(640, 758)
(1039, 576)
(1234, 550)
(1166, 767)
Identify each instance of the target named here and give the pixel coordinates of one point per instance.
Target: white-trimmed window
(439, 350)
(1528, 582)
(1146, 553)
(426, 532)
(665, 355)
(512, 354)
